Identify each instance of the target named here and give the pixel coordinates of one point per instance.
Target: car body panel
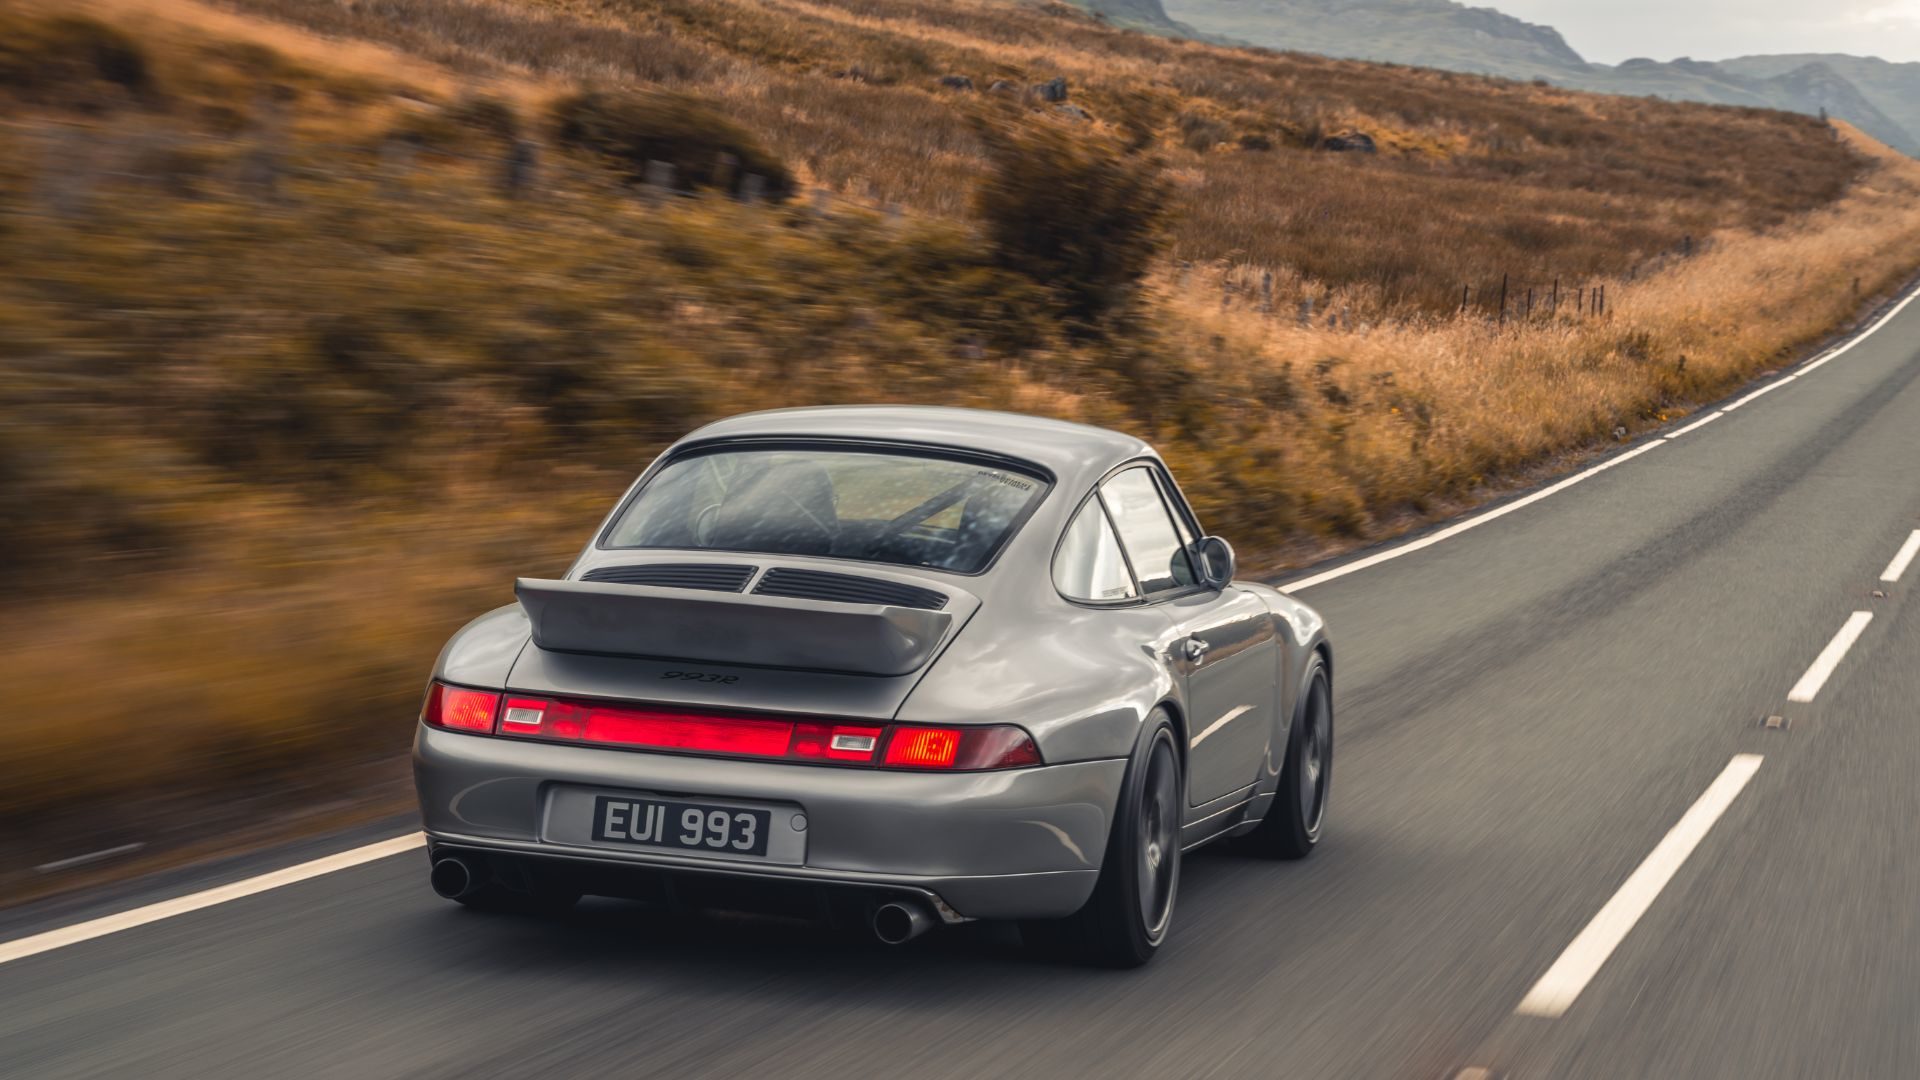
(1082, 679)
(952, 834)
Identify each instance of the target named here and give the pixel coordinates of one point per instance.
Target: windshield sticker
(1006, 479)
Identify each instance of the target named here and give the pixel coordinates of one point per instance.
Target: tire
(1127, 919)
(1292, 827)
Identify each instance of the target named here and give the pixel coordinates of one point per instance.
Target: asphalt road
(1544, 725)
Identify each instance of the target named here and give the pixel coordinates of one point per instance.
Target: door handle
(1197, 649)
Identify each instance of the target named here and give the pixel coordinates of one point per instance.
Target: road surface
(1564, 843)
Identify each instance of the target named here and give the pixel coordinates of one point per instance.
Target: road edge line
(46, 941)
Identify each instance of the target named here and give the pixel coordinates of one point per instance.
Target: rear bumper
(1023, 843)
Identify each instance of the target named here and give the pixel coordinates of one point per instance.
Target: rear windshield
(847, 504)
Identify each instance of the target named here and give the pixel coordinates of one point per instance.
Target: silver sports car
(912, 666)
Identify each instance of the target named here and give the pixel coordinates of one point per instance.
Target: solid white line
(1220, 723)
(1698, 424)
(1823, 667)
(167, 909)
(1475, 522)
(1767, 389)
(1471, 523)
(1820, 361)
(1556, 990)
(1903, 559)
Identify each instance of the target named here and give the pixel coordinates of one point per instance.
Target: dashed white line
(181, 905)
(1903, 558)
(1829, 659)
(1557, 989)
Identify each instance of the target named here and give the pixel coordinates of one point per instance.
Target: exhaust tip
(451, 878)
(899, 922)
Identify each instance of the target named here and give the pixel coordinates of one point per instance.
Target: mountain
(1145, 15)
(1894, 88)
(1429, 33)
(1880, 98)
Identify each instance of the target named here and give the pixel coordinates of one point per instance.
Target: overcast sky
(1609, 31)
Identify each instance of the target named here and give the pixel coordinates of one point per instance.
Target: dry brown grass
(1358, 426)
(1478, 177)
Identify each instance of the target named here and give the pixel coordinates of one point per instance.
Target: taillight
(998, 746)
(898, 746)
(459, 709)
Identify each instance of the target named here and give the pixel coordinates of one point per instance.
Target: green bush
(635, 128)
(1074, 213)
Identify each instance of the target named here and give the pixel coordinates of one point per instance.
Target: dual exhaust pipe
(894, 923)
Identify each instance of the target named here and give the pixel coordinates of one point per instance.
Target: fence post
(1466, 293)
(516, 172)
(1556, 296)
(1503, 299)
(658, 179)
(1266, 292)
(1529, 302)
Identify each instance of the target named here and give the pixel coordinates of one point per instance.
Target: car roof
(1066, 449)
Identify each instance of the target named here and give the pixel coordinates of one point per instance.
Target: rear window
(875, 506)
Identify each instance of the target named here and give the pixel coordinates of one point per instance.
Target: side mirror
(1216, 561)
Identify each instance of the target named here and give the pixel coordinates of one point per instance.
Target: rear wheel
(1291, 829)
(1127, 918)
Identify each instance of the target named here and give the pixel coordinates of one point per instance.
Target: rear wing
(728, 628)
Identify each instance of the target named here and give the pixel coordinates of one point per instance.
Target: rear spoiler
(728, 628)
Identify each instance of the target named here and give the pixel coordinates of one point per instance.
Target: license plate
(716, 830)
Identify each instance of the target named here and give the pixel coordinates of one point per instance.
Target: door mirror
(1215, 557)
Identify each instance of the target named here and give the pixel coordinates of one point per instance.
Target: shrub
(38, 56)
(1073, 213)
(633, 129)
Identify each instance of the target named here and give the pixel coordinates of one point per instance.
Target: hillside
(1892, 88)
(322, 322)
(1870, 94)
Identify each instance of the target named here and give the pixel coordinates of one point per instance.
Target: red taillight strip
(643, 727)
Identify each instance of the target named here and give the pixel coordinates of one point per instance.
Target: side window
(1089, 565)
(1147, 531)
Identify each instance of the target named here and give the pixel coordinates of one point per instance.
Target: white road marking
(1829, 659)
(1698, 424)
(1220, 723)
(1407, 549)
(1767, 389)
(102, 855)
(1569, 975)
(181, 905)
(1903, 559)
(1471, 523)
(1820, 361)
